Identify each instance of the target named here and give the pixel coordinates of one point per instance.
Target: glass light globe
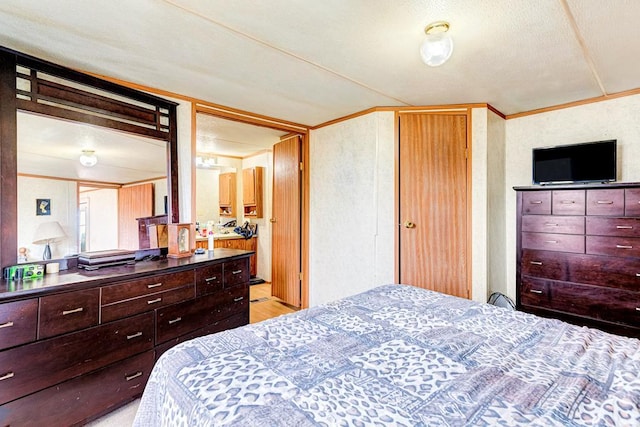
(436, 49)
(88, 158)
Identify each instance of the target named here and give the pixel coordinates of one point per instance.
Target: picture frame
(181, 240)
(43, 207)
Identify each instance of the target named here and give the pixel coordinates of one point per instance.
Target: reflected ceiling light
(88, 158)
(206, 162)
(438, 45)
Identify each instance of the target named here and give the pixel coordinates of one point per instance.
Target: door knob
(409, 224)
(272, 220)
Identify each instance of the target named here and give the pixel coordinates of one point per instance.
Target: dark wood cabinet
(578, 254)
(92, 341)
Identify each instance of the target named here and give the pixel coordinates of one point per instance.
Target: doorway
(252, 146)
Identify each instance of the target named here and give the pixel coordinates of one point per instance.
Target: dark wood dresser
(78, 344)
(578, 254)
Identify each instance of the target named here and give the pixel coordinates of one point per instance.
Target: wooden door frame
(397, 220)
(272, 123)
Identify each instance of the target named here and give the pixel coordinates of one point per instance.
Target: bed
(403, 356)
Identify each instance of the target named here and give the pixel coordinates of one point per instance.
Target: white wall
(103, 219)
(264, 225)
(207, 195)
(351, 222)
(352, 230)
(64, 209)
(613, 119)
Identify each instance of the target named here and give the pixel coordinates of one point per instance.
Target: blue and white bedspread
(398, 356)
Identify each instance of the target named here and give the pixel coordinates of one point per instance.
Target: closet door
(433, 246)
(286, 221)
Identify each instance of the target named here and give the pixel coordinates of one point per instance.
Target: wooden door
(433, 202)
(286, 222)
(134, 202)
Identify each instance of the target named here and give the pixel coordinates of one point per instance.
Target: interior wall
(264, 226)
(207, 195)
(103, 219)
(612, 119)
(351, 219)
(63, 208)
(495, 247)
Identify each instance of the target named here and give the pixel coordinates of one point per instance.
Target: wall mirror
(36, 95)
(78, 170)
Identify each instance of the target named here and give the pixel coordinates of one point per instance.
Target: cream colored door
(433, 202)
(285, 221)
(134, 202)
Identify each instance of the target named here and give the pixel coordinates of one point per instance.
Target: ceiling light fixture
(88, 158)
(438, 45)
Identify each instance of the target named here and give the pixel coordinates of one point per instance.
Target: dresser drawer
(68, 312)
(236, 272)
(35, 366)
(605, 202)
(632, 202)
(144, 303)
(615, 246)
(553, 224)
(180, 319)
(536, 202)
(18, 322)
(534, 293)
(145, 286)
(209, 279)
(566, 202)
(595, 302)
(89, 394)
(612, 272)
(604, 226)
(548, 265)
(553, 242)
(220, 325)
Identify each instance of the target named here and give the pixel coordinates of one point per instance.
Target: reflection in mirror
(86, 197)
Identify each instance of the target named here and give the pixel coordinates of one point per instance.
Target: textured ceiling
(310, 61)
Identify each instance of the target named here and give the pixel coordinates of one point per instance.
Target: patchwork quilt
(402, 356)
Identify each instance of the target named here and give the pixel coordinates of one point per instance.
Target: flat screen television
(575, 163)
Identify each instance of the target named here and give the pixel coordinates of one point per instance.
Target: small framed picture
(43, 207)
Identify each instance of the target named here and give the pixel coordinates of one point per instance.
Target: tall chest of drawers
(73, 350)
(578, 254)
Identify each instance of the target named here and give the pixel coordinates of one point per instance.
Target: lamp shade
(48, 232)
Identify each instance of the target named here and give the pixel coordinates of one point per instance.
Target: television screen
(587, 162)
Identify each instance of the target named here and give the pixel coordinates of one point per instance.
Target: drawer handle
(637, 308)
(238, 299)
(605, 202)
(176, 320)
(567, 202)
(536, 202)
(624, 247)
(624, 227)
(7, 376)
(551, 241)
(153, 301)
(637, 274)
(155, 285)
(75, 310)
(6, 325)
(209, 279)
(236, 272)
(536, 291)
(136, 335)
(535, 262)
(551, 224)
(134, 376)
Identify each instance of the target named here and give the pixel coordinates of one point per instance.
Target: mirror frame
(108, 105)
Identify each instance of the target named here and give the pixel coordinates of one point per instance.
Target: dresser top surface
(79, 279)
(593, 185)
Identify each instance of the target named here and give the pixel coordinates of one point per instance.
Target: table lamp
(48, 232)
